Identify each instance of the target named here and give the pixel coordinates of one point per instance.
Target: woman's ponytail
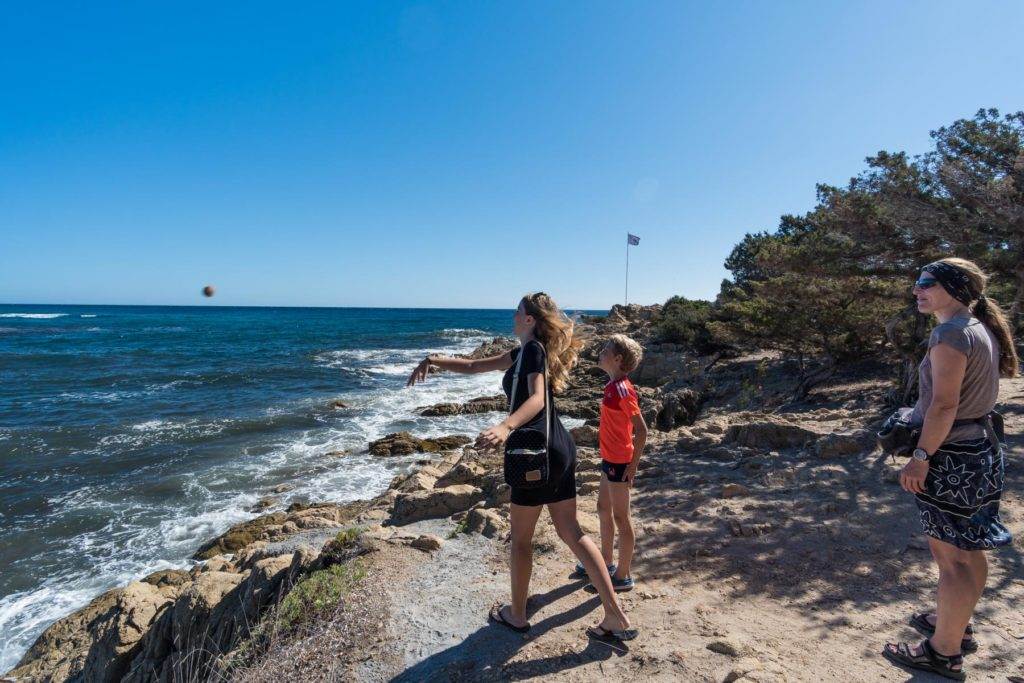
(988, 311)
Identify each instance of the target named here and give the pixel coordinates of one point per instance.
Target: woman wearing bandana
(956, 472)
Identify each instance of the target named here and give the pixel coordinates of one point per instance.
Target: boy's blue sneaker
(580, 572)
(619, 585)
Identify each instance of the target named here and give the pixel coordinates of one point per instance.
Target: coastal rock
(462, 473)
(770, 433)
(265, 503)
(217, 563)
(839, 445)
(721, 454)
(484, 404)
(427, 543)
(585, 436)
(416, 481)
(678, 408)
(582, 403)
(658, 366)
(99, 641)
(486, 522)
(212, 615)
(186, 624)
(404, 443)
(277, 524)
(167, 577)
(412, 507)
(495, 347)
(282, 488)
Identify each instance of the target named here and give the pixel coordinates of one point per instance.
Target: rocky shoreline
(180, 621)
(212, 621)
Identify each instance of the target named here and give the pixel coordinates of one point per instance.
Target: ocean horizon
(129, 435)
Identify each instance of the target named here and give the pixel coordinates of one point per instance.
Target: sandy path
(838, 570)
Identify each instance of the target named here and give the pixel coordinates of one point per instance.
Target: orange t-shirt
(619, 405)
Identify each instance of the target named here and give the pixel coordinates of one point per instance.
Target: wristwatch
(920, 454)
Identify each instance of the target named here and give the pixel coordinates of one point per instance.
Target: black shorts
(615, 471)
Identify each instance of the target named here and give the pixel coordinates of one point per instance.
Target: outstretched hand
(493, 437)
(419, 374)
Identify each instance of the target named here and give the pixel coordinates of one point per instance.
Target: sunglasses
(926, 283)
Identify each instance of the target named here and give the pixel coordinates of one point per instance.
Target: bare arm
(639, 441)
(493, 437)
(532, 406)
(464, 366)
(948, 369)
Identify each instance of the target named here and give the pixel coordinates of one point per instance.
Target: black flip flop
(925, 628)
(612, 636)
(929, 660)
(495, 616)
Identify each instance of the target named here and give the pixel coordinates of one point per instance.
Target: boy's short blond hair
(632, 353)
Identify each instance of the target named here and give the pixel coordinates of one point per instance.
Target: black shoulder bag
(527, 461)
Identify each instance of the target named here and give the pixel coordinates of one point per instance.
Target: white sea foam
(465, 333)
(87, 315)
(33, 316)
(150, 425)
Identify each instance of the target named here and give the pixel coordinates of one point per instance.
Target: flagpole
(627, 271)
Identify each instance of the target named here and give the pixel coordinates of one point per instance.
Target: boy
(622, 436)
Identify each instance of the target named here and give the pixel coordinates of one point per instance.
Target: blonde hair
(988, 312)
(554, 330)
(632, 353)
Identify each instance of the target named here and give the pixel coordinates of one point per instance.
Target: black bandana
(953, 280)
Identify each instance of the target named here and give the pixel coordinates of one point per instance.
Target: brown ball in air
(208, 290)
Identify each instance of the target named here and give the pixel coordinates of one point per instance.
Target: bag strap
(515, 385)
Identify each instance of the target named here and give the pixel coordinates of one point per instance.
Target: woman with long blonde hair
(956, 472)
(545, 334)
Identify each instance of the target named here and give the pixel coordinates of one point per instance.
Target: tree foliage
(835, 282)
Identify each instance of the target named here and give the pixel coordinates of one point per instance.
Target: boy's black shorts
(615, 471)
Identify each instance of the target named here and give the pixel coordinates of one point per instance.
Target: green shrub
(318, 592)
(684, 321)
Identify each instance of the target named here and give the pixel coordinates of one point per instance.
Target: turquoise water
(130, 435)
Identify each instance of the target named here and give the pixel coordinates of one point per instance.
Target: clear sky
(451, 154)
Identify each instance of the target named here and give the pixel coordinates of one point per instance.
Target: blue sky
(451, 154)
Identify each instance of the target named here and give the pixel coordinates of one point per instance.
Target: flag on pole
(632, 239)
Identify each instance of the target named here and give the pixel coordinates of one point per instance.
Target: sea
(129, 435)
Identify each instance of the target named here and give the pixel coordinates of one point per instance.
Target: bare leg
(618, 492)
(962, 576)
(524, 522)
(604, 514)
(563, 514)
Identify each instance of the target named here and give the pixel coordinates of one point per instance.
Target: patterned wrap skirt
(960, 503)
